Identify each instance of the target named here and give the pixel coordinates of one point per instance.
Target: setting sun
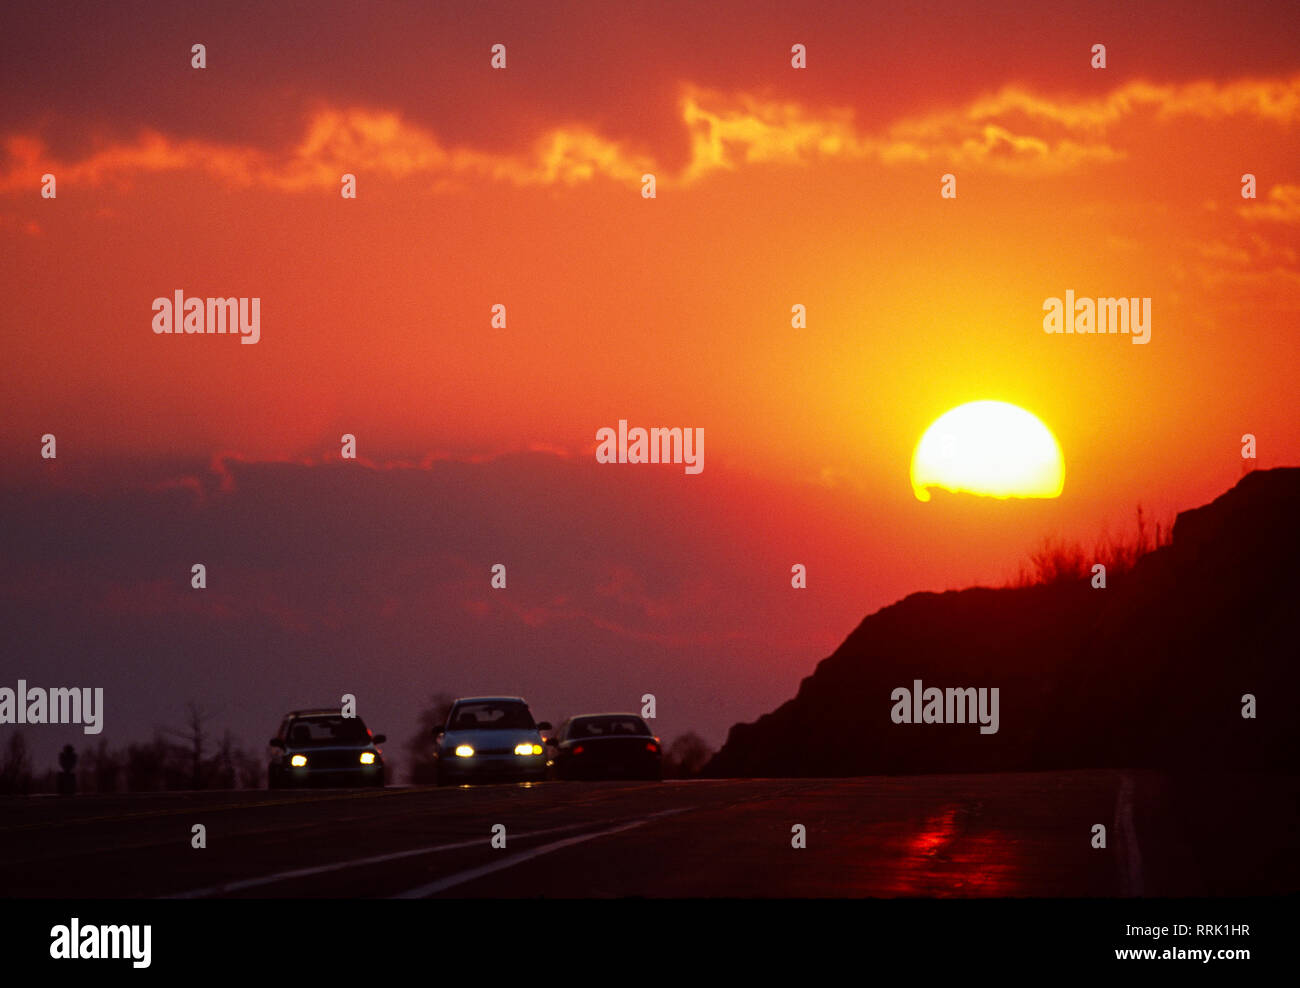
(989, 448)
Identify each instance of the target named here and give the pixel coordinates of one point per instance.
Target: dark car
(322, 747)
(490, 739)
(606, 746)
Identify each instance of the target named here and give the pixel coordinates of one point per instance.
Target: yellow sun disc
(989, 448)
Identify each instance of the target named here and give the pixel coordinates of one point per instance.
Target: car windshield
(601, 727)
(328, 730)
(489, 716)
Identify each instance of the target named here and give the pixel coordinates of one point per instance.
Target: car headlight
(367, 758)
(464, 751)
(528, 748)
(298, 761)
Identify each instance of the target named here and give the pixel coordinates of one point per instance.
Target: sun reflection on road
(949, 855)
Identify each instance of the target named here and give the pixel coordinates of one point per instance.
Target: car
(606, 746)
(489, 738)
(322, 747)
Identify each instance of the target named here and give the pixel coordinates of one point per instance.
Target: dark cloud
(333, 578)
(78, 72)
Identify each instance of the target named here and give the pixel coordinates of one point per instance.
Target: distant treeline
(150, 766)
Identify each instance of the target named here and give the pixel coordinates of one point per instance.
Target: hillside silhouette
(1148, 672)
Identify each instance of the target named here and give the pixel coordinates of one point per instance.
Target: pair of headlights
(300, 761)
(523, 748)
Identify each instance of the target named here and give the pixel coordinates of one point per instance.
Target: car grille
(333, 759)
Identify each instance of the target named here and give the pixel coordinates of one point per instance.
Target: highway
(1024, 834)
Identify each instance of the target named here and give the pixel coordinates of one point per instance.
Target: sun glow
(989, 448)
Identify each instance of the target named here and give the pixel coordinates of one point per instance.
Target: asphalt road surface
(1026, 834)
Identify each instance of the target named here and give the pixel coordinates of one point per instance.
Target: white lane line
(450, 881)
(283, 876)
(1129, 855)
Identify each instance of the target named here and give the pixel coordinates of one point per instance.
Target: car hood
(484, 740)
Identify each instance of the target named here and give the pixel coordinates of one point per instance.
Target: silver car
(490, 738)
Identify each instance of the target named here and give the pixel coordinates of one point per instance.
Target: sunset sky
(522, 186)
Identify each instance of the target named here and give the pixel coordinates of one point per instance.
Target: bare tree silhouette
(100, 768)
(16, 769)
(419, 748)
(146, 765)
(687, 754)
(195, 737)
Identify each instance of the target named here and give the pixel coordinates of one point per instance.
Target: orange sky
(775, 187)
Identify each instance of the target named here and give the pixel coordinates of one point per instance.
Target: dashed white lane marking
(283, 876)
(1130, 856)
(461, 877)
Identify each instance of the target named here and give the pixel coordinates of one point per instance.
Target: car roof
(615, 714)
(491, 699)
(316, 712)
